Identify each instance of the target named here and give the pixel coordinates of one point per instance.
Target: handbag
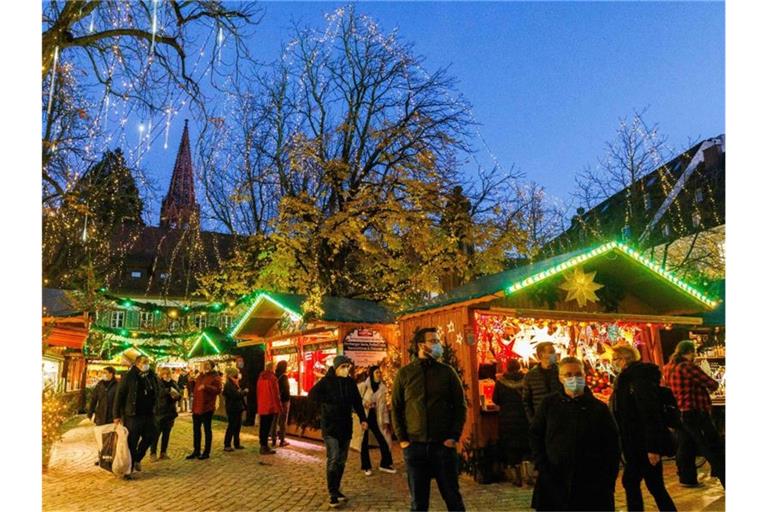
(108, 449)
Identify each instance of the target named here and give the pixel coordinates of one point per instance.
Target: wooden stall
(585, 302)
(363, 330)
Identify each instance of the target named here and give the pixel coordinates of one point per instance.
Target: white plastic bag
(121, 464)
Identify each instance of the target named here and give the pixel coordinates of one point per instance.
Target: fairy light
(52, 86)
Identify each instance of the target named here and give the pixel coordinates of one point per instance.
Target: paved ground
(292, 480)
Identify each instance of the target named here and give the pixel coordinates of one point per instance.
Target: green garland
(174, 311)
(143, 335)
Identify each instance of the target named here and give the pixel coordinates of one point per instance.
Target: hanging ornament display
(581, 287)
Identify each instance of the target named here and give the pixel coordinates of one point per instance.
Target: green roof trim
(335, 309)
(516, 279)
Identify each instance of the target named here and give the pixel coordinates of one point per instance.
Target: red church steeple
(180, 209)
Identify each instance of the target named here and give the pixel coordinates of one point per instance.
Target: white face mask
(144, 368)
(343, 372)
(105, 377)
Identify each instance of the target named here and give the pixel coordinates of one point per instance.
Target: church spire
(180, 209)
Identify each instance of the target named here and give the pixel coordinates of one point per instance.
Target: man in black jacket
(135, 404)
(540, 380)
(575, 446)
(428, 414)
(637, 407)
(338, 396)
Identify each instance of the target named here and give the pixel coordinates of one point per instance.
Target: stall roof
(664, 285)
(267, 307)
(716, 317)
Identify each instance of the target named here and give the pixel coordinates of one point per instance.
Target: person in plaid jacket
(692, 387)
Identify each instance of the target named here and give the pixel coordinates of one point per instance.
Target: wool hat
(340, 360)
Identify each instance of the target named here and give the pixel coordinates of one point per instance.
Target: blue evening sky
(548, 81)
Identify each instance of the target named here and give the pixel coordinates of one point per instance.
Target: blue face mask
(437, 351)
(553, 358)
(574, 384)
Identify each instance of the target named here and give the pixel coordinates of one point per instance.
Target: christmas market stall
(65, 330)
(585, 302)
(363, 330)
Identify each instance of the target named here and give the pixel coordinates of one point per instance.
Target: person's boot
(266, 450)
(193, 456)
(163, 456)
(153, 457)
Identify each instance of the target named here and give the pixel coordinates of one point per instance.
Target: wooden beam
(288, 335)
(456, 305)
(606, 317)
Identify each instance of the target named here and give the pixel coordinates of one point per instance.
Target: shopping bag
(108, 448)
(121, 462)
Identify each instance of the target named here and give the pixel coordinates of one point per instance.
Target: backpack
(670, 412)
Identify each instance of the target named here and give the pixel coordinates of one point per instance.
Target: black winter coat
(537, 384)
(284, 387)
(337, 396)
(428, 403)
(636, 406)
(165, 410)
(513, 423)
(575, 446)
(102, 401)
(127, 391)
(234, 401)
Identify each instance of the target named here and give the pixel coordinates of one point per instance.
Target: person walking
(428, 414)
(691, 387)
(234, 403)
(269, 406)
(207, 388)
(338, 396)
(165, 415)
(541, 380)
(280, 423)
(182, 383)
(135, 403)
(575, 446)
(513, 422)
(103, 399)
(636, 405)
(374, 394)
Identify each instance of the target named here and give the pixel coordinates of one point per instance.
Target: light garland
(625, 249)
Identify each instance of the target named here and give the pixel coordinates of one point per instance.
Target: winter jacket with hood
(207, 388)
(166, 401)
(575, 446)
(268, 394)
(102, 401)
(537, 384)
(428, 402)
(338, 397)
(128, 390)
(513, 422)
(636, 405)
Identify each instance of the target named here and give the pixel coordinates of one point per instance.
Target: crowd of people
(553, 433)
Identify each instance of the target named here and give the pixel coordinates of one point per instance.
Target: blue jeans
(433, 460)
(336, 451)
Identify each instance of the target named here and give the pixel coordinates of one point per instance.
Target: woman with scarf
(374, 394)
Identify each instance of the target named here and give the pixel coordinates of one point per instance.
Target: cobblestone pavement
(291, 480)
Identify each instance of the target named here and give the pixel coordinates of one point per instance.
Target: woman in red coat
(268, 399)
(207, 387)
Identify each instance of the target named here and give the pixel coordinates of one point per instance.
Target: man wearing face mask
(338, 396)
(540, 380)
(428, 414)
(165, 414)
(135, 404)
(575, 446)
(103, 399)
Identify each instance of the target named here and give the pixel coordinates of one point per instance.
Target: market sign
(365, 347)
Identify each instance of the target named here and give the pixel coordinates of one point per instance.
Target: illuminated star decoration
(459, 339)
(439, 332)
(525, 343)
(581, 287)
(451, 327)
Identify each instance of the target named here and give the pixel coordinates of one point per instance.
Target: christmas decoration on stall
(581, 287)
(389, 366)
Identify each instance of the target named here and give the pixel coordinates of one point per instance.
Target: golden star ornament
(581, 287)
